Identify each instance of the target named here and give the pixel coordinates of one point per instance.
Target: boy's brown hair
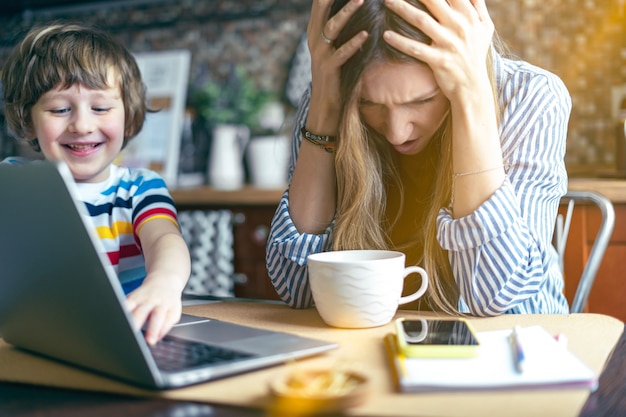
(65, 54)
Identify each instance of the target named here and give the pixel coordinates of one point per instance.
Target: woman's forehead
(397, 82)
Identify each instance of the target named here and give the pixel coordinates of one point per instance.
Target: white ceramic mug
(360, 288)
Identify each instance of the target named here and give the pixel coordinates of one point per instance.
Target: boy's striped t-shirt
(118, 208)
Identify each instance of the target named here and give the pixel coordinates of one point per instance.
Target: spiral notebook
(548, 364)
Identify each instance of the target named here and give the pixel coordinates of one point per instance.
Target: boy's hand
(158, 304)
(158, 300)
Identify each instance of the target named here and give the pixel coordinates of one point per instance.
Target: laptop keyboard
(173, 354)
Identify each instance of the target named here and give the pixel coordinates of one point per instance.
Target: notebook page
(548, 364)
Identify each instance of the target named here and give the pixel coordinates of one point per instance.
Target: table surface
(614, 189)
(28, 400)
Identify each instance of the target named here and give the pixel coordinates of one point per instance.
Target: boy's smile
(81, 126)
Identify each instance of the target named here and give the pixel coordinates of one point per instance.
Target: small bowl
(306, 392)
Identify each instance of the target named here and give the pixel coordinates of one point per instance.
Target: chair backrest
(598, 248)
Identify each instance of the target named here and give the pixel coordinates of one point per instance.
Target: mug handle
(422, 289)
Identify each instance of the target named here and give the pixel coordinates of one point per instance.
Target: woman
(420, 136)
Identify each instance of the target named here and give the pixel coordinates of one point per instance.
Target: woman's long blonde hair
(365, 162)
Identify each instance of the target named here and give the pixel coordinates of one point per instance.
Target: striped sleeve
(133, 198)
(287, 250)
(501, 255)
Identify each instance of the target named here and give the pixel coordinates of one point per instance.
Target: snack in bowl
(306, 392)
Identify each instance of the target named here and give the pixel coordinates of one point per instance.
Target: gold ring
(325, 39)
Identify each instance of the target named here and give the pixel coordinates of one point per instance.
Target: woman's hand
(326, 62)
(312, 191)
(461, 33)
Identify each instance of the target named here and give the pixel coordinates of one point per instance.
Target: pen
(396, 359)
(561, 339)
(517, 349)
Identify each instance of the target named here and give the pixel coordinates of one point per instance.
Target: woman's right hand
(326, 62)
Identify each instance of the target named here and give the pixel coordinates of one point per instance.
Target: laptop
(60, 297)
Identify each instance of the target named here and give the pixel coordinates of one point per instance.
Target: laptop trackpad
(214, 331)
(188, 318)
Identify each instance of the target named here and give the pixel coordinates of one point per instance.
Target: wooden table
(23, 400)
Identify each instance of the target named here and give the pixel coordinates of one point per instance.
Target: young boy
(76, 95)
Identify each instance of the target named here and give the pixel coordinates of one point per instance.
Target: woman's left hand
(461, 33)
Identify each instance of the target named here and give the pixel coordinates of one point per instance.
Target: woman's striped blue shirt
(501, 255)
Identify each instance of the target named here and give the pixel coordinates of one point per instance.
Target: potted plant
(237, 100)
(229, 110)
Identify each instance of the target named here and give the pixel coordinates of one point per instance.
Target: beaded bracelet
(327, 146)
(319, 138)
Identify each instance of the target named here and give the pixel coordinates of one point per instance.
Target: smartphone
(436, 338)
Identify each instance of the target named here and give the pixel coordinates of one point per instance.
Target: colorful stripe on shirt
(131, 198)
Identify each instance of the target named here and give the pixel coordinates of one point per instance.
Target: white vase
(225, 170)
(268, 161)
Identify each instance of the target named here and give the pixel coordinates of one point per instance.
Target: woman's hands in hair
(461, 33)
(326, 62)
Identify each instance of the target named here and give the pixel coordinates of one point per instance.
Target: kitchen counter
(248, 195)
(613, 189)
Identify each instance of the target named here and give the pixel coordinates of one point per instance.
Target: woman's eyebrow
(421, 97)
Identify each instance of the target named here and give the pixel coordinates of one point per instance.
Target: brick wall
(583, 41)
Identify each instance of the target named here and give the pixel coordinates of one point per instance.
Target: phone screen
(438, 332)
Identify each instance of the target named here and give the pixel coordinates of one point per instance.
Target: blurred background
(583, 41)
(244, 65)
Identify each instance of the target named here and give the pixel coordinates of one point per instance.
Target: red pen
(561, 339)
